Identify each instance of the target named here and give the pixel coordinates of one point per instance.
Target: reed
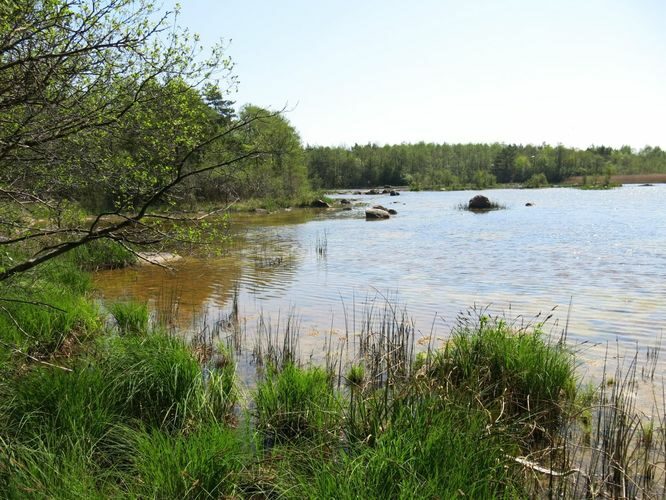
(321, 245)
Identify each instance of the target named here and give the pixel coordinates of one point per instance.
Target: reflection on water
(603, 251)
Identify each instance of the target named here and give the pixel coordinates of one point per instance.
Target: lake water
(602, 251)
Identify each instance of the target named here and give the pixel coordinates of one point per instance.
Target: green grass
(430, 450)
(517, 373)
(59, 422)
(297, 403)
(205, 463)
(101, 254)
(131, 317)
(39, 313)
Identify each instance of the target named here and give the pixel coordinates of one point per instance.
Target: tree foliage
(428, 165)
(106, 105)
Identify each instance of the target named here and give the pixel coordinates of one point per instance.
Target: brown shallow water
(602, 251)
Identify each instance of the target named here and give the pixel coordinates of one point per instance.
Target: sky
(575, 72)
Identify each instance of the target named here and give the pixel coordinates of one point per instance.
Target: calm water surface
(603, 251)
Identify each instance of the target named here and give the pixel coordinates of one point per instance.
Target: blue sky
(572, 72)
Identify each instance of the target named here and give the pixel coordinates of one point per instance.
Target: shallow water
(602, 251)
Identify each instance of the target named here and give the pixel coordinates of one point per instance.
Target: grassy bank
(117, 407)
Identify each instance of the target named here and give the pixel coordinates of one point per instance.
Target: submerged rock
(529, 204)
(157, 258)
(395, 193)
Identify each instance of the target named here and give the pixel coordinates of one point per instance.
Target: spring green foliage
(537, 181)
(279, 174)
(111, 107)
(428, 166)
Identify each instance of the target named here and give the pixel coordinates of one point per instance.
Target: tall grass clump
(39, 312)
(297, 403)
(515, 373)
(162, 382)
(205, 463)
(151, 382)
(131, 317)
(39, 471)
(430, 450)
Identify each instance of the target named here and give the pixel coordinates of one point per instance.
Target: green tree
(99, 99)
(281, 172)
(504, 164)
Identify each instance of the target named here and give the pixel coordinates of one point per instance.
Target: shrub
(537, 181)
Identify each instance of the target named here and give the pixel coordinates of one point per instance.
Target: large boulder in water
(479, 202)
(376, 213)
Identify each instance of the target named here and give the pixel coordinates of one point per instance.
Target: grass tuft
(297, 403)
(131, 317)
(514, 373)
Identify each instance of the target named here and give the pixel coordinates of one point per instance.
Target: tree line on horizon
(427, 165)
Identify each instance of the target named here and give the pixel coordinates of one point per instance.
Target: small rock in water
(320, 204)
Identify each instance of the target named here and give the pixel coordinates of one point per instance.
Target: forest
(434, 166)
